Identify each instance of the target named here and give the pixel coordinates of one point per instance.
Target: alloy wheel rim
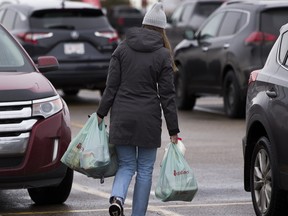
(262, 181)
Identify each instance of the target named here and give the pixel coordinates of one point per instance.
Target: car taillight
(253, 76)
(260, 37)
(34, 37)
(112, 36)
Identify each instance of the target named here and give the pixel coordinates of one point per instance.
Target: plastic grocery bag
(176, 181)
(89, 152)
(71, 157)
(179, 145)
(95, 151)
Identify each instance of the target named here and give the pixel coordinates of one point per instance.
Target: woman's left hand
(99, 120)
(174, 139)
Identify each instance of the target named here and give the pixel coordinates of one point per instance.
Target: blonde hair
(166, 42)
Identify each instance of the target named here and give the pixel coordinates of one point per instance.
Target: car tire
(184, 100)
(234, 105)
(53, 194)
(267, 198)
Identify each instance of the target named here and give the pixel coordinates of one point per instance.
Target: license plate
(74, 48)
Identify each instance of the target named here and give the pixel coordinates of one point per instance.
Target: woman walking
(139, 87)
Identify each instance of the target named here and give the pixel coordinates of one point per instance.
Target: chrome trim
(55, 149)
(14, 145)
(15, 103)
(25, 112)
(25, 125)
(46, 99)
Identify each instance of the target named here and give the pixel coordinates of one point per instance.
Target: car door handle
(204, 49)
(271, 93)
(227, 45)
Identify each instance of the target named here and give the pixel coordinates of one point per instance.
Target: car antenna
(63, 3)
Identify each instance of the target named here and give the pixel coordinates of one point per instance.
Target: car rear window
(273, 19)
(74, 19)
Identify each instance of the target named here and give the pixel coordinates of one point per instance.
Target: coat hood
(144, 40)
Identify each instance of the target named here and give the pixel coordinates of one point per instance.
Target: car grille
(16, 123)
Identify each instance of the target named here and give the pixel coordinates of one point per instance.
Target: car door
(218, 50)
(277, 92)
(197, 55)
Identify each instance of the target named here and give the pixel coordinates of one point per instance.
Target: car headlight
(47, 107)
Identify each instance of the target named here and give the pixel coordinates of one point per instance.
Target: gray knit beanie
(155, 16)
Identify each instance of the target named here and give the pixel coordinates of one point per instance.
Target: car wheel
(53, 194)
(183, 99)
(71, 92)
(267, 198)
(233, 104)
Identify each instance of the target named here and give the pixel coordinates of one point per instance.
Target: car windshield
(72, 19)
(12, 58)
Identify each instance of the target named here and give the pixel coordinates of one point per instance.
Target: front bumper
(39, 164)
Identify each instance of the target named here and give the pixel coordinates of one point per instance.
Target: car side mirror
(47, 63)
(189, 34)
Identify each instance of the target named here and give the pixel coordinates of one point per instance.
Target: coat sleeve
(112, 85)
(166, 91)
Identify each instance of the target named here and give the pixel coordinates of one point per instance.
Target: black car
(265, 143)
(232, 42)
(123, 17)
(79, 35)
(189, 15)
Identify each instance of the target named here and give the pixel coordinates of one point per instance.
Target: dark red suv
(34, 126)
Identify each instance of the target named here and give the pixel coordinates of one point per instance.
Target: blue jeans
(133, 160)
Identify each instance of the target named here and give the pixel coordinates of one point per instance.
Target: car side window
(1, 14)
(176, 16)
(231, 23)
(283, 53)
(9, 19)
(19, 21)
(211, 28)
(188, 10)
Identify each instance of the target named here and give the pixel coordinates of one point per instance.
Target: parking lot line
(127, 201)
(159, 208)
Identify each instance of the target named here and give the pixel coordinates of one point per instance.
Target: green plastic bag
(176, 181)
(95, 151)
(71, 157)
(89, 152)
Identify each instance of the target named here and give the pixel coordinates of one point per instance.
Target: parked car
(123, 17)
(77, 34)
(265, 143)
(218, 59)
(34, 126)
(190, 14)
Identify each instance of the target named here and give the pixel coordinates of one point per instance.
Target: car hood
(18, 86)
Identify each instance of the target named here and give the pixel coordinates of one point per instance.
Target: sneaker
(116, 208)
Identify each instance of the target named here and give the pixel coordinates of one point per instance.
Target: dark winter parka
(139, 84)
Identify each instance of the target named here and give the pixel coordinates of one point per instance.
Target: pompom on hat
(155, 16)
